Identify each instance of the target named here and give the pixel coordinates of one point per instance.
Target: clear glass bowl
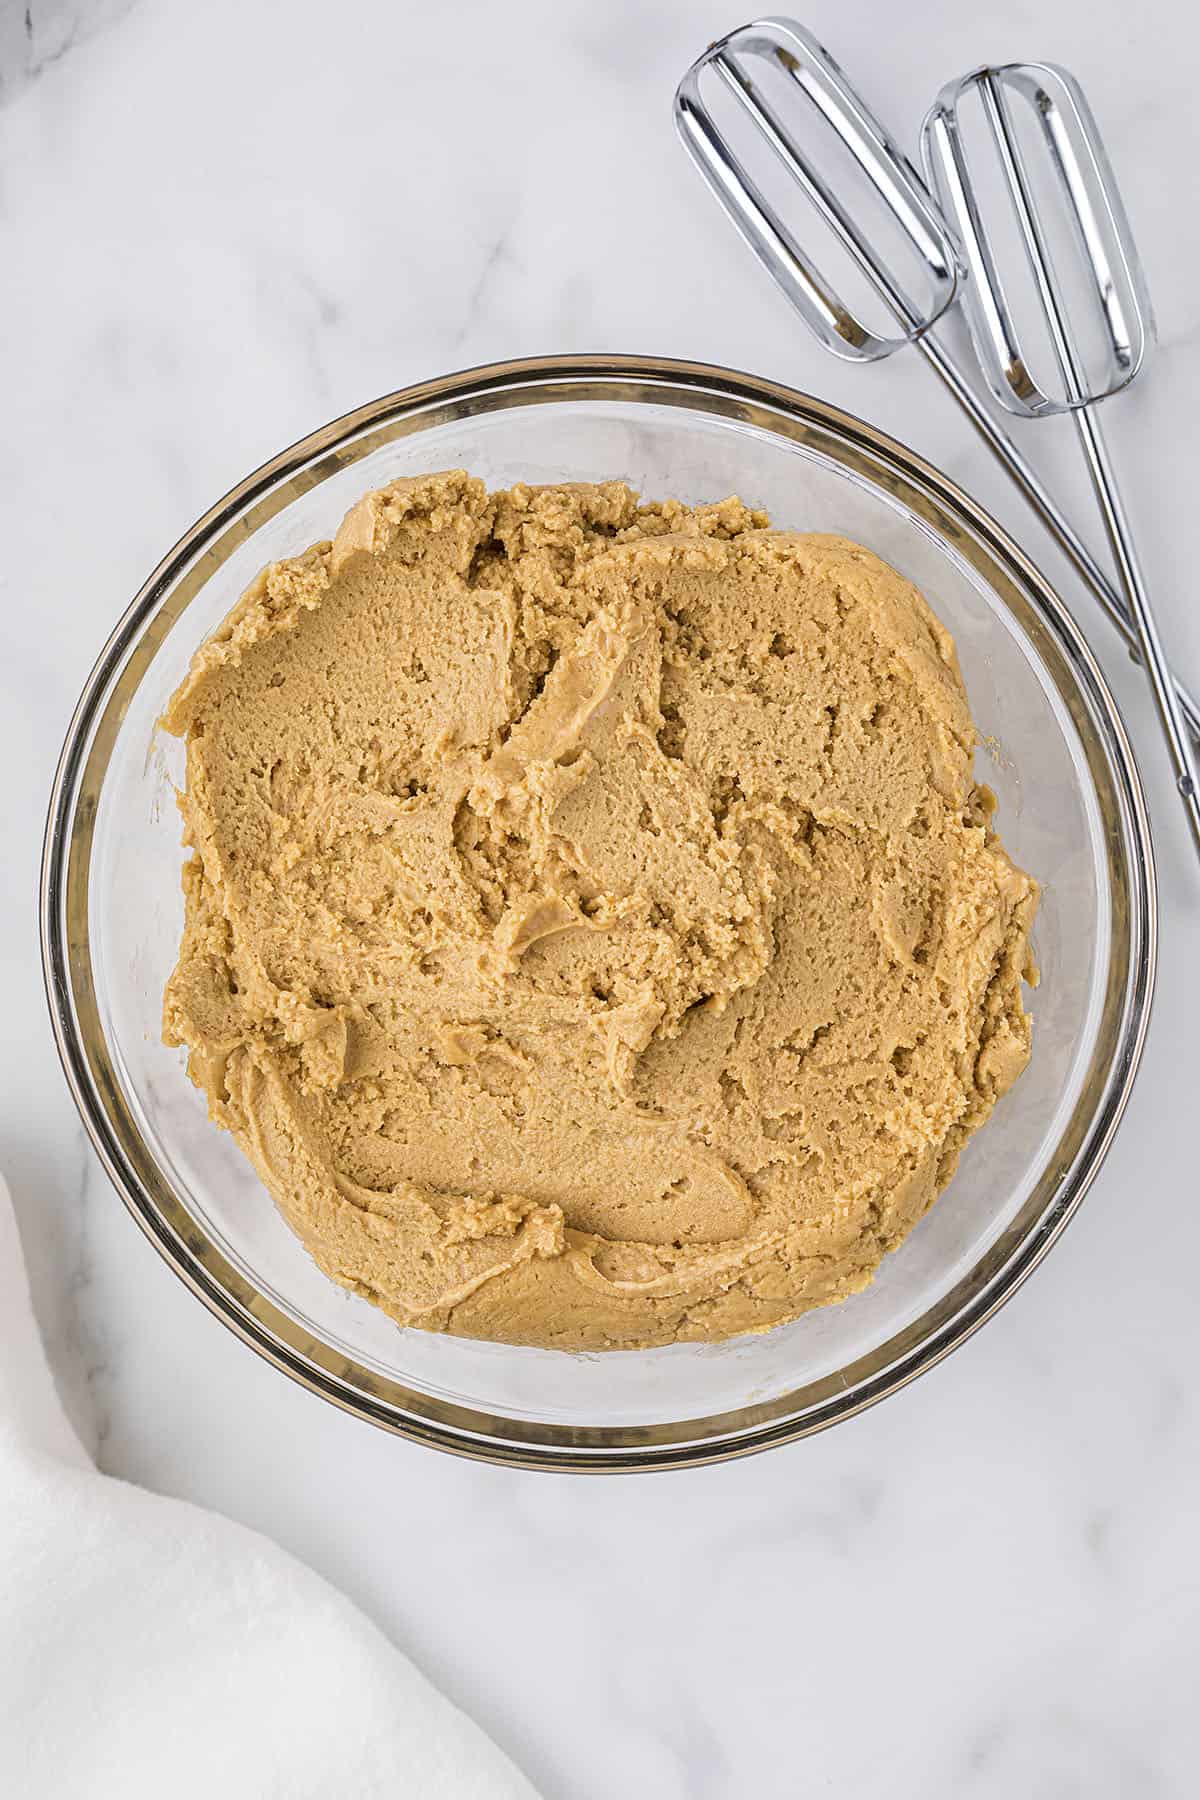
(1071, 811)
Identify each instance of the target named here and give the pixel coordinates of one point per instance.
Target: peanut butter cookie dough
(595, 937)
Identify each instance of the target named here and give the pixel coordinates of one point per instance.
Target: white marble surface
(222, 224)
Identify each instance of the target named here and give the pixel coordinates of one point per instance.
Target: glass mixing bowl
(1071, 811)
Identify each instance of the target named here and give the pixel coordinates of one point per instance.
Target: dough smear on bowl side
(595, 936)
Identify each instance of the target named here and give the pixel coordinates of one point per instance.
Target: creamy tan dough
(595, 936)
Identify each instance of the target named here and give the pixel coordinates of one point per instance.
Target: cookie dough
(595, 936)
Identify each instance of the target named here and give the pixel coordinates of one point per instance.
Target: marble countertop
(223, 224)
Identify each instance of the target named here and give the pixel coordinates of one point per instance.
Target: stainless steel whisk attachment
(772, 76)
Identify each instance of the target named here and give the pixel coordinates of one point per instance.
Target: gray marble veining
(222, 224)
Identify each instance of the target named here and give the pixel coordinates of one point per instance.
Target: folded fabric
(150, 1647)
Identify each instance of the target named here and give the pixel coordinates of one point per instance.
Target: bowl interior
(1054, 815)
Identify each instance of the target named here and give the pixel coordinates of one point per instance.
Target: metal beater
(762, 66)
(1066, 131)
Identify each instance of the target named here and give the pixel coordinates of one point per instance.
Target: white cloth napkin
(148, 1647)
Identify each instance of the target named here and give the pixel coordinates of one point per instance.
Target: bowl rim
(781, 411)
